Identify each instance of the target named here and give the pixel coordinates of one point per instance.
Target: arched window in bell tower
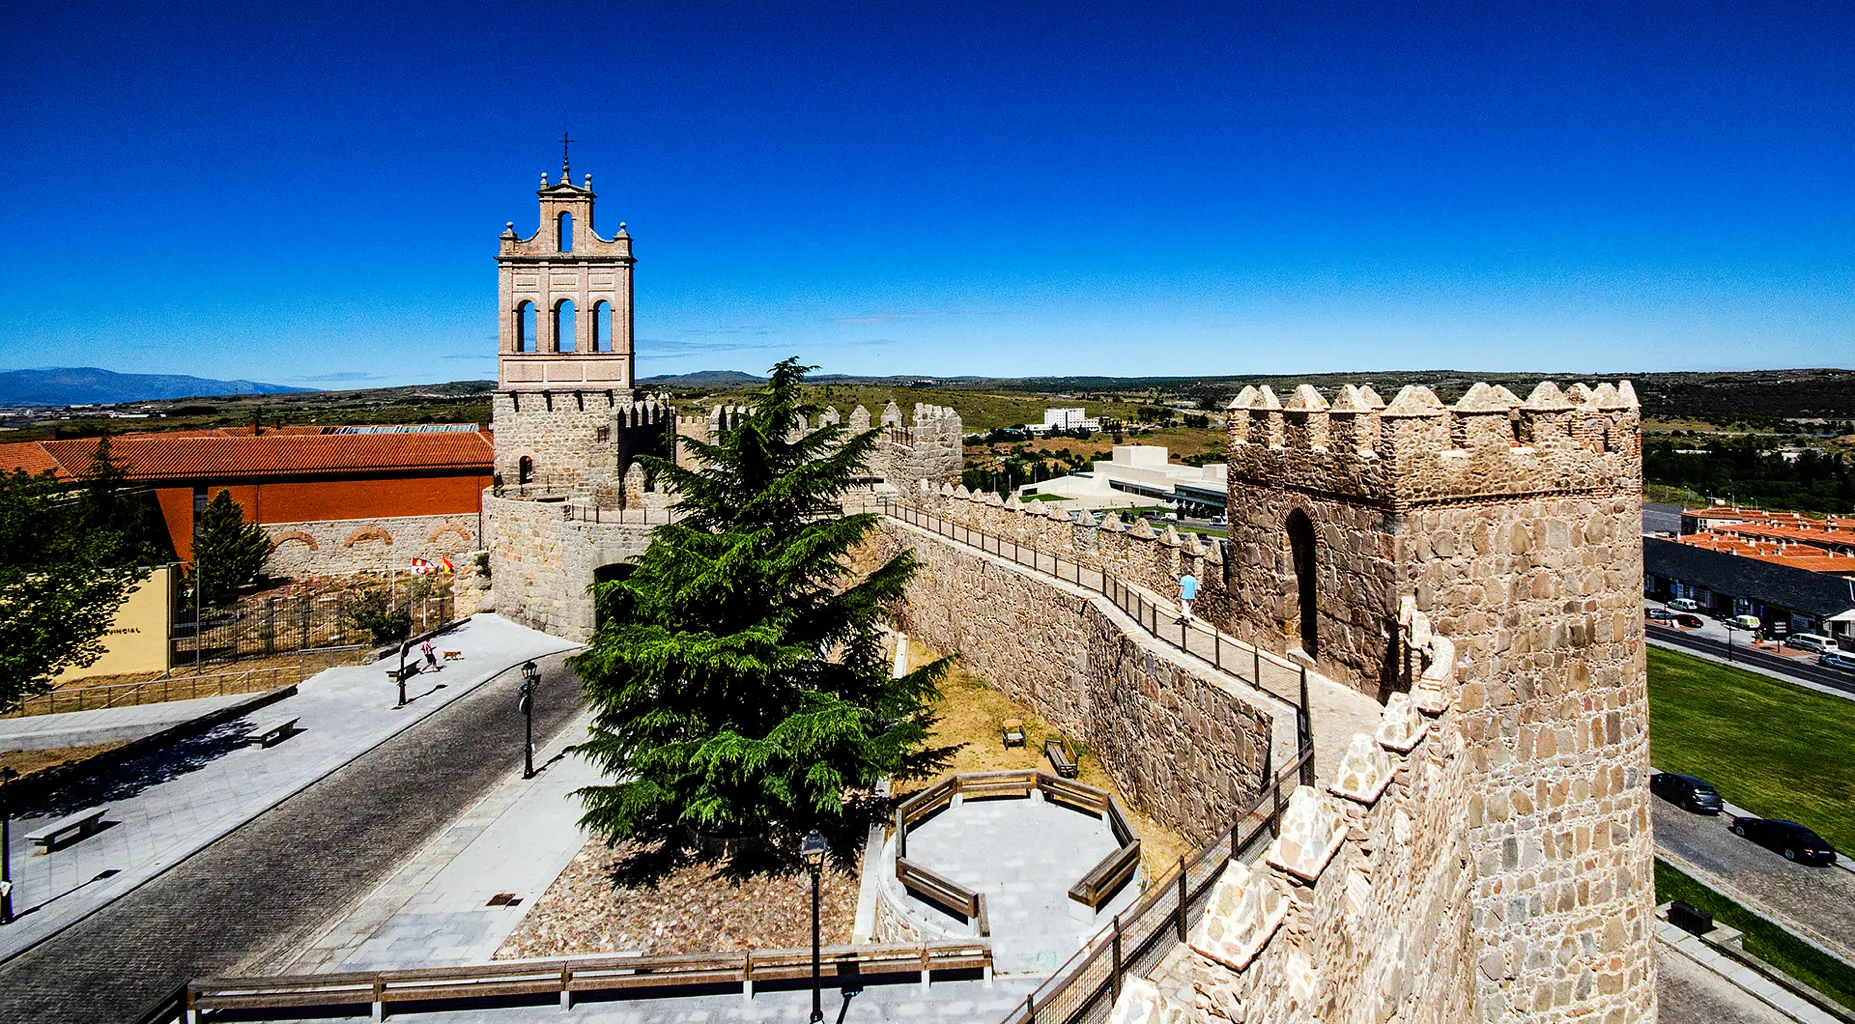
(602, 326)
(525, 338)
(563, 236)
(563, 326)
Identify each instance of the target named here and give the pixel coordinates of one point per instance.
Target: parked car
(1683, 604)
(1794, 841)
(1837, 659)
(1687, 791)
(1741, 622)
(1688, 619)
(1815, 642)
(1658, 615)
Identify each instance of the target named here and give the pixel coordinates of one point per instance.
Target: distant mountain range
(89, 385)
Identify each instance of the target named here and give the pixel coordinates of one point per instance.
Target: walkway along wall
(1181, 744)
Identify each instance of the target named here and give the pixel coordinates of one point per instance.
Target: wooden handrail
(566, 974)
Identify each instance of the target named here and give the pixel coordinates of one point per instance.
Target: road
(1785, 664)
(1817, 902)
(282, 875)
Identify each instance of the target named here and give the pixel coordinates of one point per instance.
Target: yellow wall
(138, 639)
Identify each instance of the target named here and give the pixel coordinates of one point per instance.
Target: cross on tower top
(565, 140)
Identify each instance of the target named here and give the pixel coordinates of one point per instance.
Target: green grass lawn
(1763, 939)
(1779, 751)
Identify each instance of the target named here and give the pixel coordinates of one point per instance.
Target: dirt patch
(970, 714)
(599, 904)
(25, 762)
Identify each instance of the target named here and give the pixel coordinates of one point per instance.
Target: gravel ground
(613, 900)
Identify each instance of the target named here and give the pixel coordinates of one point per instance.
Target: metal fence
(1274, 675)
(156, 691)
(256, 627)
(1085, 987)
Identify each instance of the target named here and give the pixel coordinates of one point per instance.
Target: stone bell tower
(565, 366)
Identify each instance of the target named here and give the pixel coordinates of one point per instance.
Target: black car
(1786, 837)
(1697, 795)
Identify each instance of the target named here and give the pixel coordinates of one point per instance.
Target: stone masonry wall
(338, 546)
(1360, 912)
(542, 563)
(1513, 527)
(1181, 747)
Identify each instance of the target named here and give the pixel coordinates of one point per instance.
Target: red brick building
(335, 499)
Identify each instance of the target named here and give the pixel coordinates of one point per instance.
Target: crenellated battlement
(1415, 450)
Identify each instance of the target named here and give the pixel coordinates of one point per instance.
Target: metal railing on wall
(1274, 675)
(1085, 987)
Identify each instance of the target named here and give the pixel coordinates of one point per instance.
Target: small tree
(228, 553)
(739, 680)
(372, 612)
(66, 564)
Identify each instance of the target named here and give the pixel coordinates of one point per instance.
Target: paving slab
(1023, 855)
(435, 911)
(166, 805)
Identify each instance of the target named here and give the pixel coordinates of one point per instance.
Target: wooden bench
(76, 826)
(1013, 729)
(1062, 757)
(275, 730)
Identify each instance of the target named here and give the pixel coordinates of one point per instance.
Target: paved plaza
(1023, 854)
(436, 911)
(269, 884)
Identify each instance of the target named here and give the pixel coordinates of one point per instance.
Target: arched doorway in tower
(1301, 544)
(608, 573)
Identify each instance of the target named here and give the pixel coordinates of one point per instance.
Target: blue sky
(311, 194)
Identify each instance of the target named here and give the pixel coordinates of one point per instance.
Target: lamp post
(7, 775)
(813, 850)
(530, 676)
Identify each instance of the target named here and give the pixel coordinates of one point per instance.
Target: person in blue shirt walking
(1188, 592)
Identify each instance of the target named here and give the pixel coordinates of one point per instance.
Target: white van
(1814, 642)
(1683, 604)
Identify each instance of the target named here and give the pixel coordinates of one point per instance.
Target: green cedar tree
(738, 678)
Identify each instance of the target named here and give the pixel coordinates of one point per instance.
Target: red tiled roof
(1797, 556)
(30, 456)
(169, 457)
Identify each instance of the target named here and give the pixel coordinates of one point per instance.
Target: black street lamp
(813, 850)
(530, 676)
(7, 775)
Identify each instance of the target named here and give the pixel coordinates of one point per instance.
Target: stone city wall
(339, 546)
(576, 441)
(1136, 553)
(542, 564)
(1360, 910)
(1517, 535)
(1182, 747)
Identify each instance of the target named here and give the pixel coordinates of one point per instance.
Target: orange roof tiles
(30, 456)
(1797, 556)
(176, 457)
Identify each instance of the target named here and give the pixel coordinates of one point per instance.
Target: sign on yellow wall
(138, 640)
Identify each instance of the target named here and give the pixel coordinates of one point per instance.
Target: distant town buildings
(1788, 570)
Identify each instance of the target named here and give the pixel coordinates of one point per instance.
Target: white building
(1140, 474)
(1064, 419)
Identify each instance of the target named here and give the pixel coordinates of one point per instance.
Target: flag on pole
(445, 564)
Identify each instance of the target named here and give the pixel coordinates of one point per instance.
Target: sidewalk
(167, 805)
(1740, 976)
(107, 725)
(436, 910)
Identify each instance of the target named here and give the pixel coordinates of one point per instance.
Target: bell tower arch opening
(566, 325)
(1300, 530)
